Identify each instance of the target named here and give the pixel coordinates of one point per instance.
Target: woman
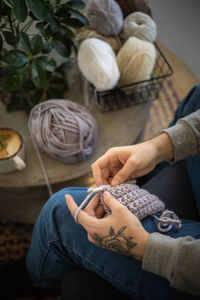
(156, 265)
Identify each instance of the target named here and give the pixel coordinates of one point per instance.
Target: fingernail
(115, 182)
(107, 194)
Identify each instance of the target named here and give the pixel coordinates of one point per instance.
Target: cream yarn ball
(140, 25)
(97, 62)
(105, 16)
(136, 61)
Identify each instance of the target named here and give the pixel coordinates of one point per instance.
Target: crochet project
(139, 201)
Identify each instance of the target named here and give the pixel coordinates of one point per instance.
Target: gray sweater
(178, 260)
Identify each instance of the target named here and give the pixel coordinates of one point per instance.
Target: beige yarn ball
(141, 26)
(136, 61)
(97, 62)
(86, 32)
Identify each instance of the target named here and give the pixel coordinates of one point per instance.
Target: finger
(142, 172)
(93, 204)
(97, 168)
(105, 175)
(123, 174)
(111, 201)
(100, 212)
(83, 218)
(71, 204)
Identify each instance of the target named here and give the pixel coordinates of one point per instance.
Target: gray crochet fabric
(137, 200)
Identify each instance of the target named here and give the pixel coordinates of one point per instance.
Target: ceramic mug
(11, 151)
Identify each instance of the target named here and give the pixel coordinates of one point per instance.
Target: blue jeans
(58, 244)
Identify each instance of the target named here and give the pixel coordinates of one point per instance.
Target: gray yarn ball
(105, 16)
(63, 129)
(140, 25)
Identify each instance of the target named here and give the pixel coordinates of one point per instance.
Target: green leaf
(23, 70)
(65, 32)
(46, 63)
(63, 12)
(38, 9)
(61, 48)
(36, 44)
(41, 27)
(61, 31)
(39, 76)
(9, 3)
(53, 3)
(13, 81)
(77, 4)
(10, 38)
(16, 58)
(72, 22)
(20, 10)
(1, 43)
(79, 16)
(47, 47)
(5, 10)
(24, 41)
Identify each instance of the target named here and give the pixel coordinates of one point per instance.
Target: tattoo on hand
(116, 241)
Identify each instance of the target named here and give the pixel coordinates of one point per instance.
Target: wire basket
(135, 93)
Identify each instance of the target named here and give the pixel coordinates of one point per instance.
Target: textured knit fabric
(139, 201)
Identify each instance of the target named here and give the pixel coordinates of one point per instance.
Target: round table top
(116, 128)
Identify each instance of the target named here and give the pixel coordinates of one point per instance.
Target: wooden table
(22, 194)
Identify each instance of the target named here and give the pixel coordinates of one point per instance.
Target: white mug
(11, 151)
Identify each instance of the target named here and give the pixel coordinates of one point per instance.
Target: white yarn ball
(97, 62)
(140, 25)
(136, 61)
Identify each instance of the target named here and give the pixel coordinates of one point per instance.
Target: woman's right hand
(120, 164)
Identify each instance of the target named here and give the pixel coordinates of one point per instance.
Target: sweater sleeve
(177, 260)
(185, 136)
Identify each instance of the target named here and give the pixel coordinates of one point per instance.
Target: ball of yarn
(136, 61)
(86, 32)
(105, 16)
(97, 62)
(63, 129)
(130, 6)
(140, 25)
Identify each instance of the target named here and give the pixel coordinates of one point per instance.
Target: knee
(56, 208)
(58, 199)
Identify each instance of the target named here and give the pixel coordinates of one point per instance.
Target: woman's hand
(121, 231)
(120, 164)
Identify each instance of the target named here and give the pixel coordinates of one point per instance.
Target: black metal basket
(138, 92)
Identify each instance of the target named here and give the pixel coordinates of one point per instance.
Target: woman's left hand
(121, 231)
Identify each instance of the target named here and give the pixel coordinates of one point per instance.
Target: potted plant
(29, 31)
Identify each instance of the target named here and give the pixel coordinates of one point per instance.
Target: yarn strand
(91, 192)
(167, 219)
(41, 164)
